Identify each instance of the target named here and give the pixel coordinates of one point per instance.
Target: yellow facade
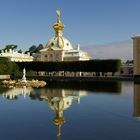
(51, 55)
(136, 55)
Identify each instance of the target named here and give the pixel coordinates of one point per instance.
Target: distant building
(15, 56)
(126, 69)
(59, 48)
(136, 55)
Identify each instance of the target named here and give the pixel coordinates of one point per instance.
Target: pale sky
(117, 50)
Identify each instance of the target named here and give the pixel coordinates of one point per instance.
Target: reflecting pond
(71, 111)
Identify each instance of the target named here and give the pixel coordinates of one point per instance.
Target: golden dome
(58, 41)
(64, 43)
(58, 26)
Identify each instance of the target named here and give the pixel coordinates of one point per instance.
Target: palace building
(15, 56)
(59, 48)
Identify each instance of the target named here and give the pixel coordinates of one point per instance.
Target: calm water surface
(94, 111)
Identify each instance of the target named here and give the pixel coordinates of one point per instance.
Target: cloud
(117, 50)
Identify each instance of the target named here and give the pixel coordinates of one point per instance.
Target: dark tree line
(74, 66)
(97, 66)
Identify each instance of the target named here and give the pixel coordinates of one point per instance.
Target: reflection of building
(59, 48)
(60, 100)
(136, 100)
(15, 92)
(136, 55)
(16, 56)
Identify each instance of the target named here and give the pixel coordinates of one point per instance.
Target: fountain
(23, 82)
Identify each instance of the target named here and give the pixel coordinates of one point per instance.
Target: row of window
(52, 55)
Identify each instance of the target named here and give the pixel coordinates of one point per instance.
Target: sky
(117, 50)
(87, 22)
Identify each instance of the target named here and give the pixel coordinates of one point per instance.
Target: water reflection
(61, 96)
(13, 93)
(59, 100)
(95, 86)
(136, 100)
(55, 107)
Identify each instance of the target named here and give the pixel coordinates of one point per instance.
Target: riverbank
(80, 79)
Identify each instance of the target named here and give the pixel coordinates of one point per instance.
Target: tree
(129, 62)
(12, 46)
(74, 66)
(35, 49)
(32, 49)
(7, 67)
(20, 51)
(40, 46)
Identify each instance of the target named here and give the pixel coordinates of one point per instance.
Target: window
(57, 55)
(52, 44)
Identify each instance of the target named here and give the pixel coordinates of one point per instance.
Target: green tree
(35, 49)
(32, 49)
(12, 46)
(7, 67)
(74, 66)
(20, 51)
(129, 62)
(40, 46)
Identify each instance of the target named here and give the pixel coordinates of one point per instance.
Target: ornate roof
(58, 42)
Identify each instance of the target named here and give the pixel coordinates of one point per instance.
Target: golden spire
(59, 121)
(59, 118)
(58, 15)
(58, 26)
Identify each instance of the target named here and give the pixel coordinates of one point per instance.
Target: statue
(24, 75)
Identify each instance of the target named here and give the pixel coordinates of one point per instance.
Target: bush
(7, 67)
(73, 66)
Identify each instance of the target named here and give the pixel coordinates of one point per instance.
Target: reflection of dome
(60, 100)
(59, 120)
(57, 103)
(63, 43)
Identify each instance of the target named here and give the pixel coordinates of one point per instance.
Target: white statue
(24, 75)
